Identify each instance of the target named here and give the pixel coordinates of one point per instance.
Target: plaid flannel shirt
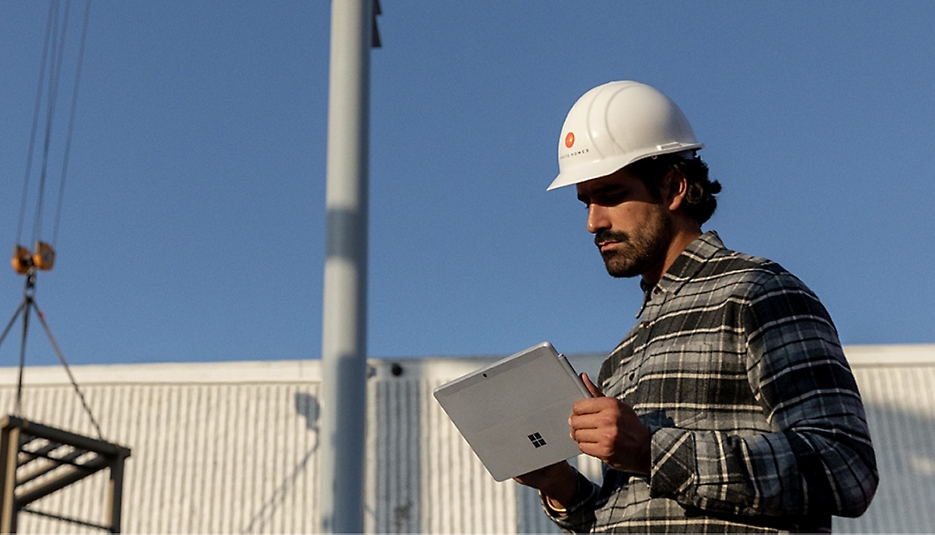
(757, 423)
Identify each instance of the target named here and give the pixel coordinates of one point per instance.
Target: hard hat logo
(621, 122)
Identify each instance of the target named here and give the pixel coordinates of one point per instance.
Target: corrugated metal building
(232, 447)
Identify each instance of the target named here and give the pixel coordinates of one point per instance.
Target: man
(730, 405)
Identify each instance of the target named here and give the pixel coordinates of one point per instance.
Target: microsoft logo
(537, 440)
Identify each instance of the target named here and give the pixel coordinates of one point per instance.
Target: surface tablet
(514, 412)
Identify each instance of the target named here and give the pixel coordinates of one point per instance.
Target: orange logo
(570, 139)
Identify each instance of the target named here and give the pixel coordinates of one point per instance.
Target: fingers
(593, 404)
(591, 427)
(599, 442)
(611, 431)
(587, 406)
(556, 480)
(592, 388)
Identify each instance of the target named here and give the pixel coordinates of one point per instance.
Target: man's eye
(611, 198)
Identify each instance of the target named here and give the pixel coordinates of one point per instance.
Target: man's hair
(700, 201)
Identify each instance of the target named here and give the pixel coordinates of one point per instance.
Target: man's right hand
(610, 430)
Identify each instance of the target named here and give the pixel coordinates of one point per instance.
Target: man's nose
(597, 218)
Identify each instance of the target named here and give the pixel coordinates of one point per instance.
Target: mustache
(605, 235)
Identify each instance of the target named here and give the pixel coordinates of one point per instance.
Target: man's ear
(675, 188)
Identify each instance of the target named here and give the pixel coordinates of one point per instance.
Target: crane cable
(71, 120)
(53, 54)
(54, 44)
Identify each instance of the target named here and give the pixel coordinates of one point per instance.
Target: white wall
(231, 447)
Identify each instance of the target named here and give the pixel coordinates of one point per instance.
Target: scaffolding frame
(37, 460)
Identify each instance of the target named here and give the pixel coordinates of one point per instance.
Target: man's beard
(638, 253)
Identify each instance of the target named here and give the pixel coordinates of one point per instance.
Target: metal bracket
(37, 460)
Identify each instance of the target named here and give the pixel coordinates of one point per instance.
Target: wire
(53, 56)
(71, 120)
(53, 9)
(61, 358)
(59, 53)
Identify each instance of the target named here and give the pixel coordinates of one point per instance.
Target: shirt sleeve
(818, 461)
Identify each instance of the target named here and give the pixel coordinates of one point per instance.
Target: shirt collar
(685, 266)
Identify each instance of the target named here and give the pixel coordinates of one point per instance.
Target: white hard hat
(616, 124)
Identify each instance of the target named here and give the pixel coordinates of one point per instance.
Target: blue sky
(193, 223)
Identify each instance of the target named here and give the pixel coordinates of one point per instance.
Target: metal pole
(9, 449)
(344, 333)
(115, 493)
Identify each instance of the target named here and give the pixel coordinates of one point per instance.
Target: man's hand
(608, 429)
(605, 428)
(558, 483)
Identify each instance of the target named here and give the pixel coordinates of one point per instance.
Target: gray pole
(344, 325)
